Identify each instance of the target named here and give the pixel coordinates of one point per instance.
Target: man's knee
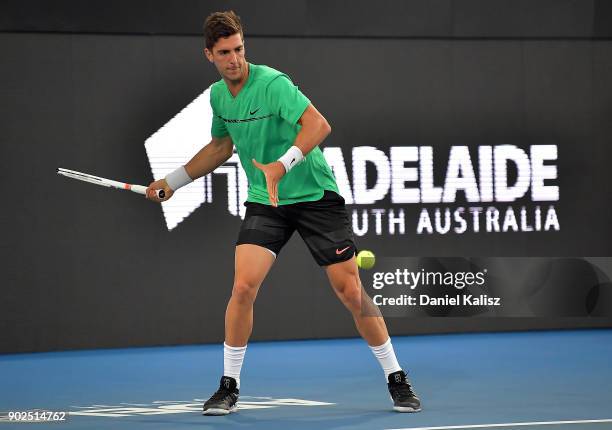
(349, 290)
(244, 291)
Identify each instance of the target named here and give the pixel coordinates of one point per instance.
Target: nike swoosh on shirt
(254, 112)
(340, 251)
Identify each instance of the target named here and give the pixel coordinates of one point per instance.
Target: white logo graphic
(484, 177)
(163, 407)
(174, 144)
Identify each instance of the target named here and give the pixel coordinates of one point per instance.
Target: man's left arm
(315, 129)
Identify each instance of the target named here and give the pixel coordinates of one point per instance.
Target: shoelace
(403, 390)
(221, 394)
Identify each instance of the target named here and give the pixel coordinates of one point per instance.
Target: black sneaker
(404, 399)
(224, 400)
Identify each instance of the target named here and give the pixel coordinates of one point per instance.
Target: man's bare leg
(252, 264)
(344, 278)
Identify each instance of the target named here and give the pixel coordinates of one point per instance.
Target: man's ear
(208, 55)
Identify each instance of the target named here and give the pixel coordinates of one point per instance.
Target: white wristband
(291, 158)
(177, 179)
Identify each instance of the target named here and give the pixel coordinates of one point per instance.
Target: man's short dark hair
(221, 24)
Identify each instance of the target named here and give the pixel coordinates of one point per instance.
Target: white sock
(386, 357)
(233, 356)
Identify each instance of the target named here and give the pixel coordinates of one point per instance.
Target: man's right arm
(217, 152)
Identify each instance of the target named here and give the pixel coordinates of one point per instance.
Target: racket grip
(143, 190)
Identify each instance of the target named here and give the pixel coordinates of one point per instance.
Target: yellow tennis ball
(366, 259)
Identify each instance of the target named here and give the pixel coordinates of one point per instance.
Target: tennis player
(276, 131)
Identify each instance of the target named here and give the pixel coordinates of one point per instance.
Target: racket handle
(143, 190)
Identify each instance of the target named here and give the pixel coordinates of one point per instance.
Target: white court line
(535, 423)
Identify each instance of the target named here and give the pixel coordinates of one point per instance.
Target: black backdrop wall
(85, 267)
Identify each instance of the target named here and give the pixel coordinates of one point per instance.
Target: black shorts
(323, 224)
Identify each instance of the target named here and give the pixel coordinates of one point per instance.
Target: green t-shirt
(262, 122)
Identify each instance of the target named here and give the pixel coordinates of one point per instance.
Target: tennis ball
(365, 259)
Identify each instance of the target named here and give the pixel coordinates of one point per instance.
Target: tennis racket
(109, 183)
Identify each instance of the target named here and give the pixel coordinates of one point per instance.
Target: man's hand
(160, 184)
(273, 172)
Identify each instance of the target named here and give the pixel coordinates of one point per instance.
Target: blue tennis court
(546, 379)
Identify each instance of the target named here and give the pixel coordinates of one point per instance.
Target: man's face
(228, 57)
